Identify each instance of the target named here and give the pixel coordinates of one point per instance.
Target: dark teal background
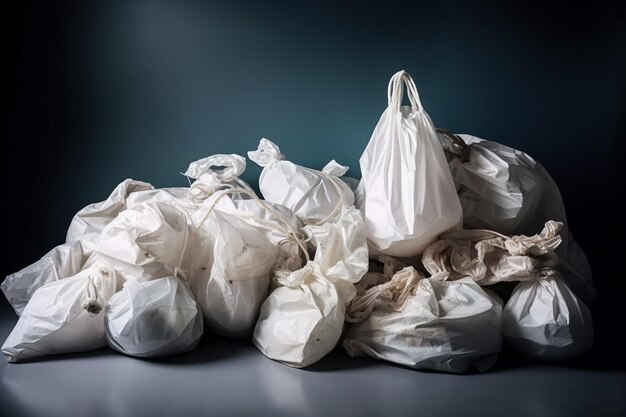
(102, 91)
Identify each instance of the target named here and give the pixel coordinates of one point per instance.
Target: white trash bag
(544, 320)
(301, 321)
(506, 190)
(315, 196)
(63, 261)
(153, 318)
(426, 323)
(406, 191)
(91, 220)
(63, 317)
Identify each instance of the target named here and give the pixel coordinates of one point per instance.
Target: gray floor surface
(232, 378)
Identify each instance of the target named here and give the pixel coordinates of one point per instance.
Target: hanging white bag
(301, 321)
(315, 196)
(153, 318)
(406, 191)
(544, 320)
(63, 261)
(92, 219)
(426, 323)
(506, 190)
(63, 317)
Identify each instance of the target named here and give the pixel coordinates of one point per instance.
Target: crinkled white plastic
(506, 190)
(92, 219)
(425, 323)
(406, 191)
(153, 318)
(63, 316)
(315, 197)
(301, 321)
(63, 261)
(543, 319)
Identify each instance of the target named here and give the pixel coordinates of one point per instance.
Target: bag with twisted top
(543, 319)
(302, 319)
(315, 196)
(424, 323)
(506, 190)
(406, 191)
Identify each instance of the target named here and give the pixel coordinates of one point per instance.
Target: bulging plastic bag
(63, 316)
(406, 191)
(426, 323)
(543, 319)
(315, 196)
(153, 318)
(503, 189)
(301, 321)
(63, 261)
(92, 219)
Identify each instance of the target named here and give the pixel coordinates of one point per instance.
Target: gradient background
(101, 91)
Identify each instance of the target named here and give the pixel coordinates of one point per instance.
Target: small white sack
(406, 191)
(543, 319)
(92, 219)
(63, 317)
(448, 326)
(301, 321)
(316, 197)
(153, 318)
(63, 261)
(505, 190)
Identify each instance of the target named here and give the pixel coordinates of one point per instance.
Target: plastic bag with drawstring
(506, 190)
(406, 191)
(302, 319)
(315, 196)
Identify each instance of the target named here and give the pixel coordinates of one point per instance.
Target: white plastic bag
(424, 323)
(63, 316)
(63, 261)
(506, 190)
(543, 319)
(315, 196)
(92, 219)
(406, 192)
(301, 321)
(153, 318)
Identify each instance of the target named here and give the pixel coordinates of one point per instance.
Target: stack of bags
(396, 266)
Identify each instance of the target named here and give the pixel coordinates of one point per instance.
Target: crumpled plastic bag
(406, 191)
(63, 261)
(503, 189)
(543, 319)
(153, 318)
(301, 321)
(63, 316)
(426, 323)
(315, 196)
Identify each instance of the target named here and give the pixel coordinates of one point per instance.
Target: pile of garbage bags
(409, 264)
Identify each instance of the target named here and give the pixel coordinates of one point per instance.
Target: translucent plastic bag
(63, 317)
(301, 321)
(406, 192)
(153, 318)
(315, 196)
(506, 190)
(448, 326)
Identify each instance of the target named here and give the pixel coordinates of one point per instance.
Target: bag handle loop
(395, 91)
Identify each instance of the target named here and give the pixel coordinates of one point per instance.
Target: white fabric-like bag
(543, 319)
(406, 191)
(301, 321)
(315, 196)
(425, 323)
(63, 261)
(153, 318)
(63, 316)
(506, 190)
